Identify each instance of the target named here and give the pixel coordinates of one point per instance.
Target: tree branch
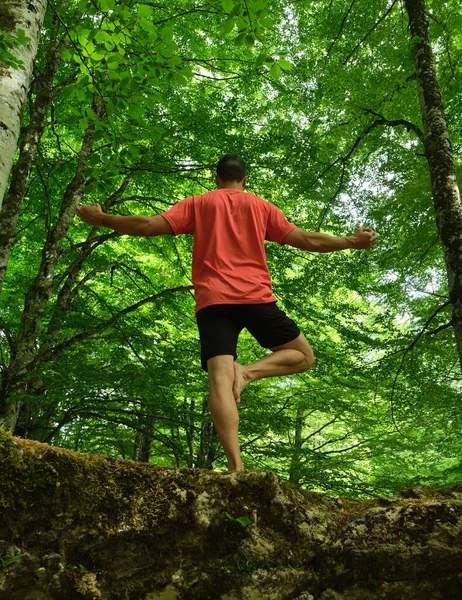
(410, 347)
(59, 349)
(397, 122)
(438, 329)
(345, 16)
(369, 32)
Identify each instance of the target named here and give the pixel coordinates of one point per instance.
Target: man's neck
(234, 185)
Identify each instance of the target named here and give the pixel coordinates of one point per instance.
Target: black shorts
(220, 325)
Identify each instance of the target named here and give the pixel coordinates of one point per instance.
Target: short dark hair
(231, 168)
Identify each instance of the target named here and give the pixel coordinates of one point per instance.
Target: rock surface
(77, 526)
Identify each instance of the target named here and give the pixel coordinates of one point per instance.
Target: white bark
(14, 83)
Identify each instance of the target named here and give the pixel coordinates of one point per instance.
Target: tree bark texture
(14, 83)
(439, 155)
(76, 526)
(38, 295)
(9, 212)
(144, 437)
(297, 446)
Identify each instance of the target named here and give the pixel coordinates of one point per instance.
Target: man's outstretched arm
(362, 239)
(131, 225)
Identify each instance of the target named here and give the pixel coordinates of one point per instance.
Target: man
(232, 284)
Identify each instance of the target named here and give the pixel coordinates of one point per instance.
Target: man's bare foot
(239, 467)
(240, 381)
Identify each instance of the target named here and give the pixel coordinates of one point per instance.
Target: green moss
(120, 530)
(8, 21)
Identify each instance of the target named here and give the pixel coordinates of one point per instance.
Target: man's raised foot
(241, 380)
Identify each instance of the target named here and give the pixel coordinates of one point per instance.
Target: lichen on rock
(77, 526)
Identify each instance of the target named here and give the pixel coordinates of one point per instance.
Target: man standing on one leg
(233, 286)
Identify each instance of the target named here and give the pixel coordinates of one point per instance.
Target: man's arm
(133, 225)
(363, 238)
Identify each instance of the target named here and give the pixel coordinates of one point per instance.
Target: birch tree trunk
(15, 378)
(438, 152)
(14, 83)
(12, 204)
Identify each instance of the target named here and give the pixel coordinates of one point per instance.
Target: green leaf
(258, 5)
(22, 37)
(67, 92)
(285, 64)
(228, 25)
(166, 52)
(99, 135)
(148, 26)
(113, 58)
(242, 24)
(187, 72)
(275, 71)
(249, 40)
(261, 58)
(166, 34)
(237, 9)
(266, 22)
(110, 107)
(98, 55)
(227, 5)
(243, 520)
(174, 62)
(85, 33)
(83, 124)
(145, 11)
(239, 40)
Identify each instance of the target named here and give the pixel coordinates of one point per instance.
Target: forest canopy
(130, 105)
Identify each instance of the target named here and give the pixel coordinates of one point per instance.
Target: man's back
(229, 261)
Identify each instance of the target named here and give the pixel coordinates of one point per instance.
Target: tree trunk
(15, 378)
(438, 152)
(145, 435)
(209, 443)
(14, 83)
(12, 204)
(189, 409)
(294, 471)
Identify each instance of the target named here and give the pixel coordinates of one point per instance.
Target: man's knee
(221, 370)
(308, 361)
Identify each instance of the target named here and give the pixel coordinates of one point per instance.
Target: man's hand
(91, 214)
(364, 238)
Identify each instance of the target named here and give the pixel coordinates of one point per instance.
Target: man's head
(231, 172)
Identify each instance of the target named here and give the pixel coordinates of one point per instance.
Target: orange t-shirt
(229, 260)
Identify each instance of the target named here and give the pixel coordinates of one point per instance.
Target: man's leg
(294, 357)
(223, 407)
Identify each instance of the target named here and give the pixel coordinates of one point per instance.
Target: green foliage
(9, 42)
(294, 88)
